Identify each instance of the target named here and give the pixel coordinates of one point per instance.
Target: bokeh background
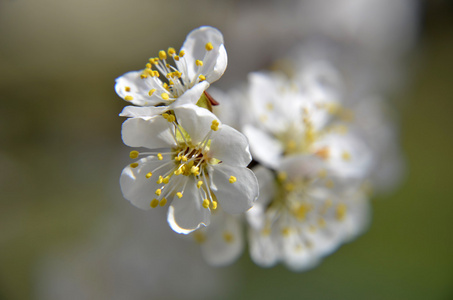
(66, 232)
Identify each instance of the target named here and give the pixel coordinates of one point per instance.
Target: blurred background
(67, 233)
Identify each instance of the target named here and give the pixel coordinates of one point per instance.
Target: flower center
(171, 82)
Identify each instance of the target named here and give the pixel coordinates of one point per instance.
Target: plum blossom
(195, 164)
(161, 87)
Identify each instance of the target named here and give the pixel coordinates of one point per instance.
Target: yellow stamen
(151, 92)
(163, 201)
(128, 98)
(209, 46)
(346, 156)
(154, 203)
(228, 237)
(171, 51)
(205, 203)
(199, 63)
(159, 181)
(148, 175)
(232, 179)
(202, 78)
(133, 154)
(165, 96)
(214, 205)
(158, 192)
(134, 165)
(199, 183)
(215, 125)
(182, 53)
(341, 212)
(166, 179)
(127, 89)
(162, 54)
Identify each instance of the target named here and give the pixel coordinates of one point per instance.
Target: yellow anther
(184, 158)
(171, 51)
(151, 92)
(302, 211)
(165, 96)
(205, 203)
(215, 125)
(159, 156)
(158, 192)
(176, 58)
(165, 86)
(341, 212)
(199, 184)
(179, 194)
(286, 231)
(178, 74)
(163, 201)
(289, 186)
(194, 169)
(346, 156)
(202, 78)
(171, 118)
(148, 66)
(162, 54)
(165, 116)
(178, 158)
(166, 179)
(127, 89)
(232, 179)
(214, 205)
(178, 172)
(154, 203)
(282, 176)
(199, 63)
(269, 106)
(134, 165)
(156, 73)
(133, 154)
(148, 175)
(199, 237)
(182, 53)
(160, 180)
(149, 72)
(143, 76)
(228, 237)
(209, 46)
(128, 98)
(168, 66)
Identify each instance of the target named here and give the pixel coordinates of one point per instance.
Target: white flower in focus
(192, 164)
(303, 215)
(201, 61)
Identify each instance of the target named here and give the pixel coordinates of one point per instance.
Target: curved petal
(230, 146)
(132, 85)
(296, 255)
(214, 61)
(192, 95)
(139, 189)
(153, 133)
(144, 112)
(263, 249)
(265, 148)
(236, 197)
(187, 214)
(195, 120)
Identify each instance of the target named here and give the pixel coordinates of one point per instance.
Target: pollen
(160, 180)
(202, 78)
(171, 118)
(158, 192)
(179, 194)
(162, 54)
(151, 92)
(214, 205)
(159, 156)
(171, 51)
(165, 96)
(346, 156)
(128, 98)
(209, 46)
(182, 53)
(134, 165)
(127, 89)
(154, 203)
(148, 175)
(166, 179)
(286, 231)
(163, 201)
(205, 203)
(341, 212)
(133, 154)
(228, 237)
(199, 184)
(215, 125)
(199, 63)
(232, 179)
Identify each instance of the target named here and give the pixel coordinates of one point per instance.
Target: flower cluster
(314, 159)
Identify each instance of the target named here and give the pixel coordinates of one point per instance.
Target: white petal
(297, 255)
(214, 61)
(138, 189)
(187, 214)
(195, 120)
(301, 166)
(152, 133)
(224, 239)
(263, 249)
(265, 148)
(230, 146)
(237, 197)
(192, 95)
(138, 89)
(144, 112)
